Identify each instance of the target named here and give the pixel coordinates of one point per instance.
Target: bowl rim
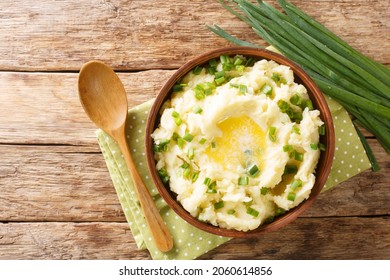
(324, 164)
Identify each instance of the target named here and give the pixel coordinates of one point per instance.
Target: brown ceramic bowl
(323, 167)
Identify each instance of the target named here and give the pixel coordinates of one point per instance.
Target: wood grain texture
(57, 200)
(306, 238)
(70, 183)
(138, 35)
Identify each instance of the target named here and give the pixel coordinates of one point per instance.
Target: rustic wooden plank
(71, 183)
(305, 238)
(319, 238)
(134, 35)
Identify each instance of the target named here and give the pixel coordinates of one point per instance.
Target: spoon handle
(158, 229)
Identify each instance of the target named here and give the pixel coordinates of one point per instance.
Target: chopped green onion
(321, 130)
(197, 109)
(291, 196)
(240, 68)
(177, 118)
(288, 148)
(191, 153)
(297, 183)
(298, 156)
(278, 79)
(220, 80)
(266, 89)
(252, 212)
(213, 145)
(162, 146)
(250, 62)
(296, 130)
(163, 174)
(207, 181)
(197, 70)
(253, 170)
(308, 104)
(322, 147)
(243, 180)
(314, 146)
(186, 172)
(224, 59)
(219, 74)
(194, 177)
(211, 190)
(279, 211)
(213, 62)
(290, 169)
(296, 100)
(243, 89)
(202, 141)
(188, 137)
(231, 211)
(264, 191)
(177, 87)
(272, 134)
(238, 61)
(180, 142)
(219, 205)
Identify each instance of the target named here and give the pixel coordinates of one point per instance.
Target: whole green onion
(359, 83)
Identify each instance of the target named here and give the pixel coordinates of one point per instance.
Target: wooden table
(57, 200)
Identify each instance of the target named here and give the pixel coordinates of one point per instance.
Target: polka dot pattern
(190, 242)
(350, 157)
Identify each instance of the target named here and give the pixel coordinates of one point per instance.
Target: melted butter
(242, 143)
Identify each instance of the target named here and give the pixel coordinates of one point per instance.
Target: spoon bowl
(103, 98)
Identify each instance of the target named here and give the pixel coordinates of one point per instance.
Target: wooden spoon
(104, 100)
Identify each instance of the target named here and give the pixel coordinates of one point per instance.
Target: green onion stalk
(359, 83)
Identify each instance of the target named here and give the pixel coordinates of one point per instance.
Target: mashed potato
(238, 142)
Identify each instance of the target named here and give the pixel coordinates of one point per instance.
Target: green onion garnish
(162, 146)
(197, 109)
(264, 191)
(297, 183)
(308, 104)
(197, 70)
(177, 118)
(238, 60)
(213, 62)
(207, 181)
(202, 141)
(163, 174)
(213, 145)
(243, 180)
(253, 170)
(296, 100)
(219, 205)
(321, 130)
(188, 137)
(296, 130)
(322, 147)
(243, 89)
(272, 134)
(219, 74)
(180, 142)
(231, 211)
(290, 169)
(288, 148)
(298, 156)
(194, 177)
(220, 80)
(291, 196)
(314, 146)
(252, 212)
(191, 153)
(279, 211)
(266, 89)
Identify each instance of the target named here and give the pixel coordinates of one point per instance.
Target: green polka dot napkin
(189, 242)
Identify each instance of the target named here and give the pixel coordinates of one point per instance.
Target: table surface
(57, 200)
